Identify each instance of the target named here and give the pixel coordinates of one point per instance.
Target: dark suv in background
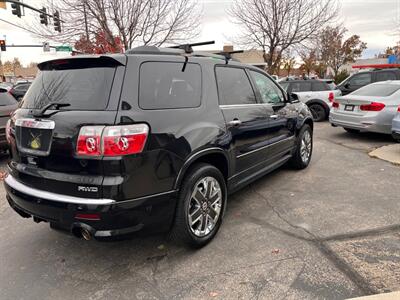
(358, 80)
(151, 140)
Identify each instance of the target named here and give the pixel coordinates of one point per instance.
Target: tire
(299, 161)
(194, 233)
(352, 131)
(318, 112)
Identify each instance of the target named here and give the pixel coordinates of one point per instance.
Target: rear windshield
(377, 90)
(6, 98)
(83, 88)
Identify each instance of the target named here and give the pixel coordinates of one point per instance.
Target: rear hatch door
(85, 91)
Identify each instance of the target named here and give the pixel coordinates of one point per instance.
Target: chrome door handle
(235, 122)
(274, 117)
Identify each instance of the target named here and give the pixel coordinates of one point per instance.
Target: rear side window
(234, 86)
(21, 87)
(300, 86)
(377, 90)
(82, 83)
(320, 86)
(6, 99)
(163, 85)
(383, 76)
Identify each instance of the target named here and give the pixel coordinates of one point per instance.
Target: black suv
(151, 140)
(358, 80)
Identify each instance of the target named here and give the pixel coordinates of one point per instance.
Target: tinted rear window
(320, 86)
(83, 88)
(6, 98)
(377, 90)
(300, 86)
(163, 85)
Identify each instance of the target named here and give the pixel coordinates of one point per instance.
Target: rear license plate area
(34, 136)
(349, 107)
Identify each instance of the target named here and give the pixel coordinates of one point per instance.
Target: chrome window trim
(22, 188)
(267, 146)
(222, 106)
(32, 123)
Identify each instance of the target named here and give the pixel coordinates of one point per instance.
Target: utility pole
(86, 22)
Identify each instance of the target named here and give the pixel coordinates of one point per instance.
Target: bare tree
(134, 22)
(277, 25)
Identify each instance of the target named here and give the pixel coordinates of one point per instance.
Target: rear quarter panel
(175, 134)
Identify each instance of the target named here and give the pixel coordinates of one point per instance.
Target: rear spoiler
(84, 61)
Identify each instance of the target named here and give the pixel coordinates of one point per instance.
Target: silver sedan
(371, 108)
(396, 126)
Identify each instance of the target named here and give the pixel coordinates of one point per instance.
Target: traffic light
(3, 45)
(43, 17)
(16, 9)
(57, 21)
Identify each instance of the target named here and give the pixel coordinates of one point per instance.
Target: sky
(374, 20)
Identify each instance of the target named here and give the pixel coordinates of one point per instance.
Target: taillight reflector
(331, 97)
(112, 140)
(398, 109)
(373, 106)
(335, 104)
(92, 217)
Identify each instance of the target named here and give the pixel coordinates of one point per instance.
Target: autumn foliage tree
(99, 45)
(336, 50)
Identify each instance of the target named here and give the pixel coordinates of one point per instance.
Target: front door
(281, 116)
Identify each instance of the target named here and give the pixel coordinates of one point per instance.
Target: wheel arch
(320, 102)
(213, 156)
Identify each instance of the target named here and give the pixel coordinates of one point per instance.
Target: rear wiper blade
(41, 112)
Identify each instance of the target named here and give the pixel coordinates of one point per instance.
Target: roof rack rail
(228, 54)
(188, 48)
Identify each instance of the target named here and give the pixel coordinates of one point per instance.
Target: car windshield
(83, 89)
(377, 90)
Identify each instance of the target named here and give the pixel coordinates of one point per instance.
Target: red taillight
(112, 140)
(335, 104)
(331, 97)
(89, 141)
(398, 109)
(373, 106)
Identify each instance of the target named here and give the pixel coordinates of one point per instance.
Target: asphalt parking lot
(331, 231)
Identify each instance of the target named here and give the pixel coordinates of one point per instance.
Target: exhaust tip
(84, 231)
(86, 234)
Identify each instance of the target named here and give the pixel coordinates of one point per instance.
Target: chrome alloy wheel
(205, 206)
(306, 147)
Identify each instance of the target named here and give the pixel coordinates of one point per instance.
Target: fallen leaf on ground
(213, 294)
(275, 251)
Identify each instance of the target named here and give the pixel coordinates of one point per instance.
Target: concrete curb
(390, 153)
(387, 296)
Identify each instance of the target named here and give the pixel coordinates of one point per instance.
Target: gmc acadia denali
(151, 140)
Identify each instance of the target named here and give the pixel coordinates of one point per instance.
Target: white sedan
(370, 108)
